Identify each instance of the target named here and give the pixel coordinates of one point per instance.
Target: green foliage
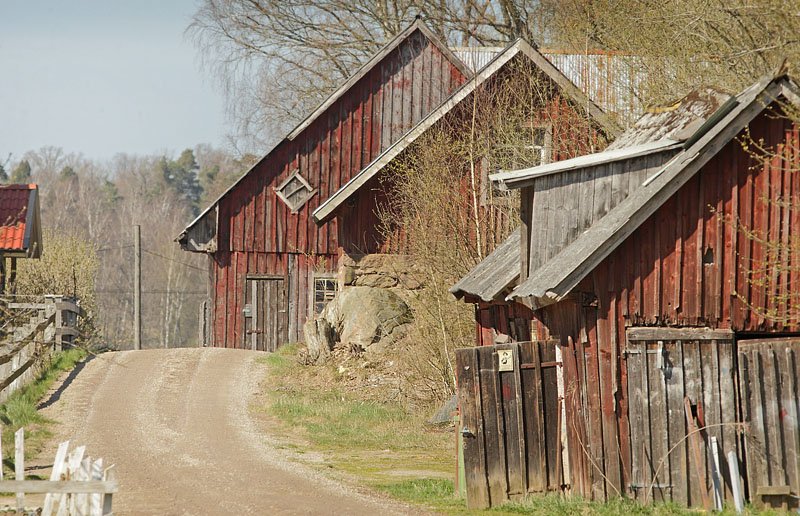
(67, 173)
(3, 174)
(22, 174)
(20, 408)
(109, 193)
(429, 491)
(68, 266)
(181, 177)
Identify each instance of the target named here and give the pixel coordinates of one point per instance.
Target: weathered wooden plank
(728, 409)
(58, 487)
(549, 390)
(533, 400)
(470, 407)
(495, 455)
(678, 459)
(658, 422)
(595, 437)
(511, 425)
(636, 419)
(672, 334)
(787, 399)
(757, 435)
(521, 413)
(693, 390)
(773, 440)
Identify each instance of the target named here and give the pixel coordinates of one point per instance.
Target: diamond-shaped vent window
(295, 191)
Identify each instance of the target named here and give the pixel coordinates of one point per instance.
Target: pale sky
(103, 76)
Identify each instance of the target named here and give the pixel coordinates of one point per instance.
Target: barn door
(770, 383)
(682, 404)
(508, 398)
(265, 312)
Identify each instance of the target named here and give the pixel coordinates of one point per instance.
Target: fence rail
(30, 332)
(78, 485)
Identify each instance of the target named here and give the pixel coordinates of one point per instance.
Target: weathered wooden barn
(267, 257)
(275, 237)
(662, 328)
(569, 122)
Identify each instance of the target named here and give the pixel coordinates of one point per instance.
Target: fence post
(19, 465)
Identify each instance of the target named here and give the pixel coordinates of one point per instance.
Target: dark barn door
(508, 398)
(266, 319)
(683, 408)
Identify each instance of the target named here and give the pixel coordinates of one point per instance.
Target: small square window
(324, 291)
(295, 191)
(530, 146)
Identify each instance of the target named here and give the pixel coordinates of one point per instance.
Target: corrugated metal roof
(494, 274)
(610, 80)
(14, 220)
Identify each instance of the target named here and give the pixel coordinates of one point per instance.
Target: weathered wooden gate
(769, 382)
(679, 380)
(510, 420)
(265, 312)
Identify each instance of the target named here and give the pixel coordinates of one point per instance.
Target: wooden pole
(137, 287)
(19, 465)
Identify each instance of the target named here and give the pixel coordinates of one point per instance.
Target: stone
(377, 280)
(368, 314)
(409, 282)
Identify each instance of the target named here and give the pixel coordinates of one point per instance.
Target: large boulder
(357, 318)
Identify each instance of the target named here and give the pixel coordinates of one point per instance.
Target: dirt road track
(176, 423)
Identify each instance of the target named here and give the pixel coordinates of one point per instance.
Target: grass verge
(362, 433)
(19, 410)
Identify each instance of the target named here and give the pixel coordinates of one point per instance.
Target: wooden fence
(78, 486)
(34, 329)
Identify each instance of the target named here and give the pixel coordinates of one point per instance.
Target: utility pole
(137, 287)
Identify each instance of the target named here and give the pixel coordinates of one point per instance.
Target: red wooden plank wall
(683, 266)
(498, 319)
(688, 264)
(257, 231)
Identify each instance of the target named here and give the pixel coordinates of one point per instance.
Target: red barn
(674, 312)
(267, 257)
(570, 124)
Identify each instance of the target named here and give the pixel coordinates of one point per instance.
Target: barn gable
(327, 210)
(371, 110)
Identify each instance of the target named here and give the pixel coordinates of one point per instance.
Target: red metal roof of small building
(15, 201)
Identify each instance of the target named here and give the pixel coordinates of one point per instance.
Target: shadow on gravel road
(72, 375)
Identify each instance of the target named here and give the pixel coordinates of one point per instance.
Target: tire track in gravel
(177, 425)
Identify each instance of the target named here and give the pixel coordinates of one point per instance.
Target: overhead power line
(174, 260)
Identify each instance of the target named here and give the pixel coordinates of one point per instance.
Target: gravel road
(177, 425)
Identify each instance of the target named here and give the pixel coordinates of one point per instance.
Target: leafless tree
(277, 59)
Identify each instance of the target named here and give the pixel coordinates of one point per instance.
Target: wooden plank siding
(258, 233)
(683, 267)
(693, 264)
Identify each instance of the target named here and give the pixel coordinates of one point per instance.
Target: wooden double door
(265, 312)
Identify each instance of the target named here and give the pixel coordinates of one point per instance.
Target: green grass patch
(19, 410)
(377, 440)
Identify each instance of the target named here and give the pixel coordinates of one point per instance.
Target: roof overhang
(508, 180)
